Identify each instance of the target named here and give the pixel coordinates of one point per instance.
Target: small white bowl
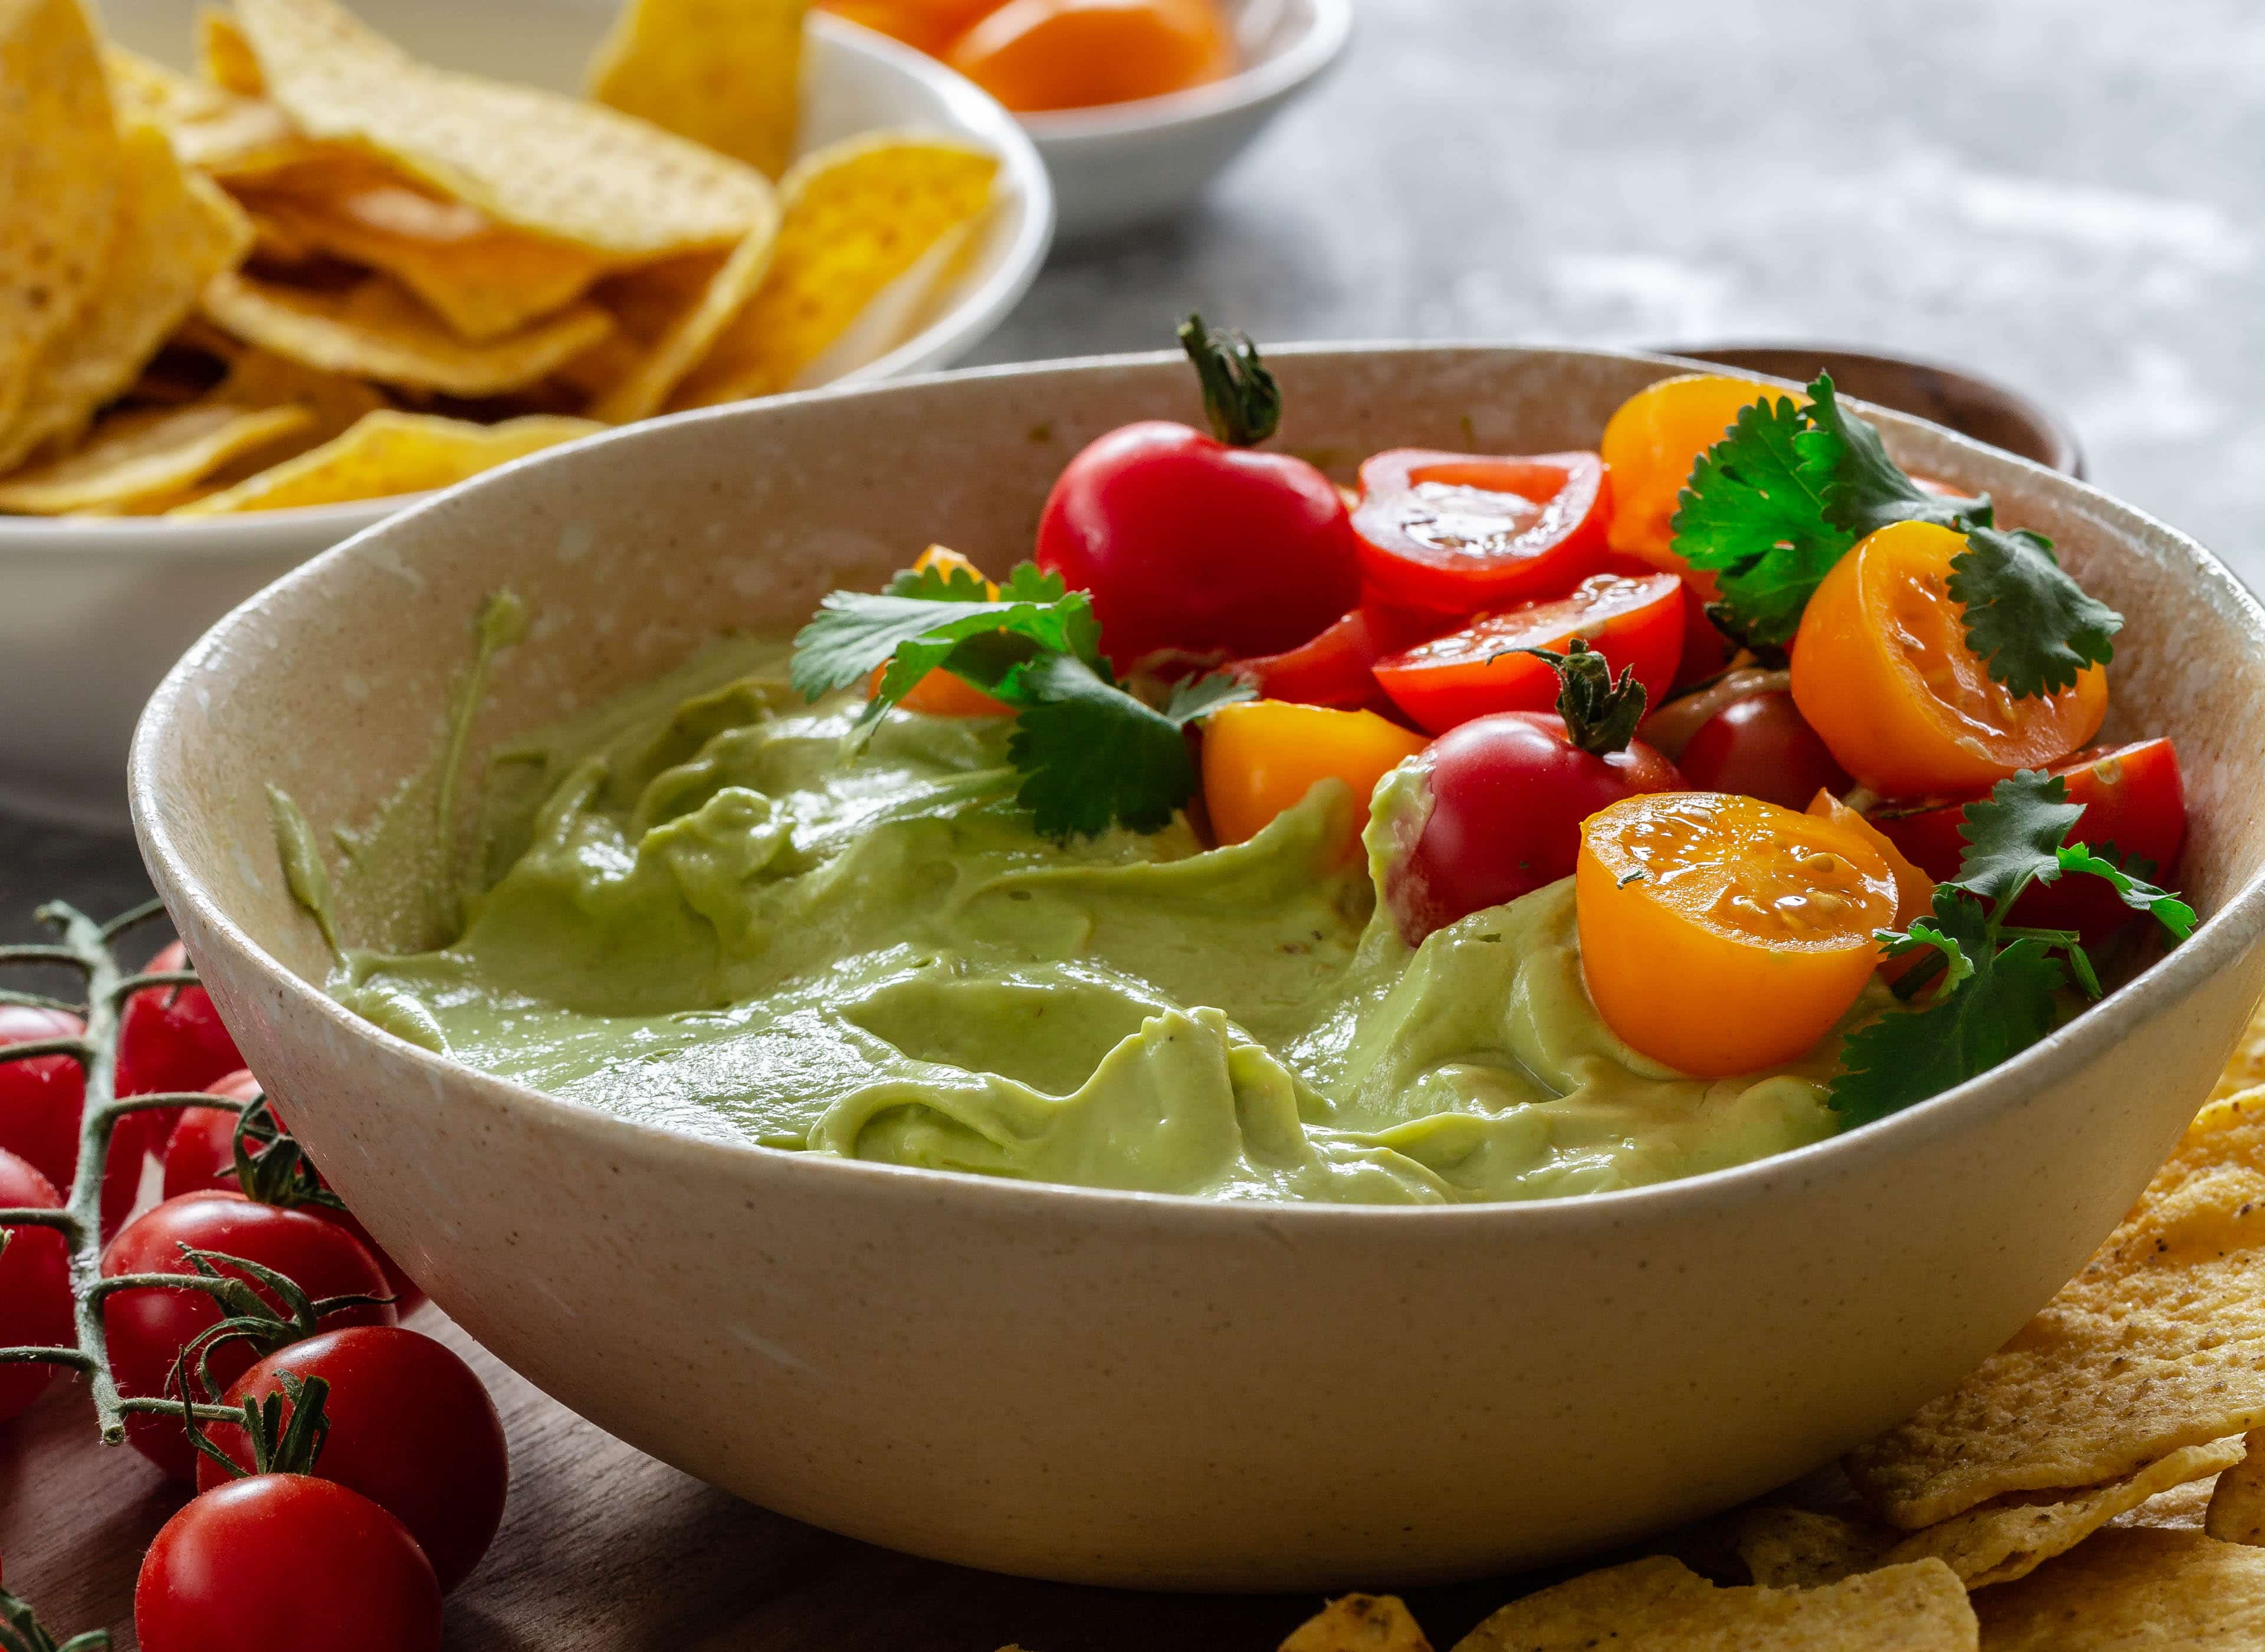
(93, 610)
(1127, 163)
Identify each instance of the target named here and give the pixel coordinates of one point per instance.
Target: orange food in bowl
(1040, 54)
(931, 25)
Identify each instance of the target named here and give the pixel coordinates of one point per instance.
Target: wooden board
(603, 1547)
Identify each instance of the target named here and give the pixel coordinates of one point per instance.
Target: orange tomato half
(940, 694)
(1882, 672)
(1038, 55)
(1650, 444)
(1263, 756)
(1722, 935)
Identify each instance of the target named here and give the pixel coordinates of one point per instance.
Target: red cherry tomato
(1456, 533)
(35, 1303)
(1336, 668)
(170, 1039)
(1508, 795)
(148, 1327)
(1634, 624)
(285, 1563)
(411, 1429)
(2134, 797)
(1186, 542)
(40, 1100)
(1761, 747)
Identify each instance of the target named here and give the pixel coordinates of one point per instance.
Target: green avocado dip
(702, 911)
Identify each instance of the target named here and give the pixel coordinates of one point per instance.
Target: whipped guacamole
(702, 910)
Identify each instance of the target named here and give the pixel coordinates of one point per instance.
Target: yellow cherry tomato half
(1720, 933)
(1650, 444)
(1040, 54)
(940, 694)
(1263, 756)
(1882, 672)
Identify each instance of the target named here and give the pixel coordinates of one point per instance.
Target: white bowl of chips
(326, 294)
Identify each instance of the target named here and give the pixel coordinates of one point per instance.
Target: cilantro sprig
(1790, 488)
(1092, 755)
(1996, 985)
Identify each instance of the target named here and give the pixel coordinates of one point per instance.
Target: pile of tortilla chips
(319, 270)
(2097, 1486)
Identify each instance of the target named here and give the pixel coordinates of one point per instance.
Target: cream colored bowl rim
(2219, 941)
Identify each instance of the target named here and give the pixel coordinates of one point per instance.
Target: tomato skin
(147, 1327)
(1540, 522)
(1186, 543)
(170, 1039)
(1760, 746)
(2134, 797)
(411, 1429)
(1039, 55)
(1262, 756)
(285, 1563)
(926, 26)
(1706, 651)
(35, 1301)
(1635, 623)
(1337, 667)
(42, 1101)
(1651, 441)
(1508, 794)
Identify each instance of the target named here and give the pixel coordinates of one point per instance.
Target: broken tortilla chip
(61, 173)
(2237, 1503)
(376, 331)
(552, 165)
(2157, 1345)
(857, 216)
(723, 73)
(1662, 1605)
(2009, 1537)
(175, 231)
(2133, 1591)
(225, 55)
(134, 458)
(687, 335)
(1360, 1623)
(390, 452)
(1799, 1548)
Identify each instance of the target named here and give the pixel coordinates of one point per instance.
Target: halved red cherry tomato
(1336, 668)
(1760, 746)
(2134, 797)
(1456, 532)
(1635, 623)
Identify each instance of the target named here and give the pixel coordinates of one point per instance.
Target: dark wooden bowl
(1972, 405)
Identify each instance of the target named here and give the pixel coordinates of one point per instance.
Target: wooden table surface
(603, 1547)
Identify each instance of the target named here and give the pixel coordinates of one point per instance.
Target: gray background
(2063, 193)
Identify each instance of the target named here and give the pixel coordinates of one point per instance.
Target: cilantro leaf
(1867, 490)
(1193, 700)
(2034, 626)
(1754, 512)
(2013, 837)
(1924, 933)
(1092, 755)
(2176, 917)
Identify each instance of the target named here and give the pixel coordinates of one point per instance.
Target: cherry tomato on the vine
(285, 1563)
(148, 1327)
(1634, 624)
(170, 1039)
(1760, 746)
(40, 1100)
(1508, 795)
(411, 1429)
(1455, 532)
(35, 1303)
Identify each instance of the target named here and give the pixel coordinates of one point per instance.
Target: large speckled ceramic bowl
(1122, 1387)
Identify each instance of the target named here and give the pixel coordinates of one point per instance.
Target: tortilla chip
(2157, 1345)
(376, 331)
(2009, 1537)
(1360, 1623)
(483, 279)
(2133, 1591)
(1662, 1605)
(175, 231)
(260, 378)
(2237, 1503)
(390, 452)
(2180, 1508)
(225, 55)
(134, 458)
(723, 73)
(856, 216)
(687, 335)
(60, 174)
(2246, 1069)
(213, 130)
(553, 165)
(1798, 1548)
